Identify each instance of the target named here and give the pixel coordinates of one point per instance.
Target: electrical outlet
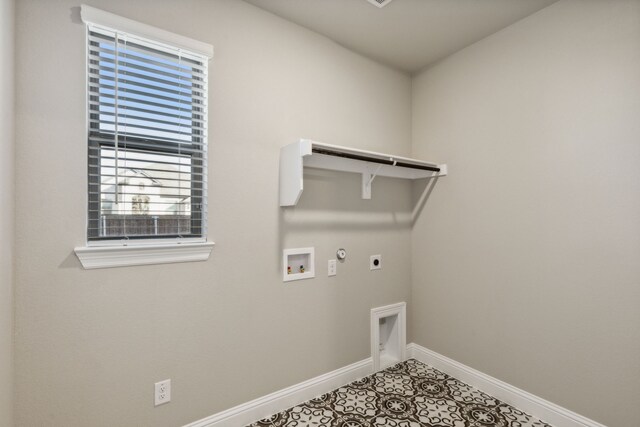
(332, 267)
(375, 262)
(163, 392)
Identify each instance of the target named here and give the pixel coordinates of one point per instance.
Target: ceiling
(405, 34)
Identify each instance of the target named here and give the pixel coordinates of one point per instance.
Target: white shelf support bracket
(367, 180)
(292, 170)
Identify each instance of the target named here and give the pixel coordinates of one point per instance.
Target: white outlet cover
(332, 267)
(372, 265)
(162, 392)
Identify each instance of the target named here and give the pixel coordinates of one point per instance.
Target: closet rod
(374, 160)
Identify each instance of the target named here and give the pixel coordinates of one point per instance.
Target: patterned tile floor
(409, 394)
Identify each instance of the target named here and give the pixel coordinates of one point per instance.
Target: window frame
(143, 250)
(197, 221)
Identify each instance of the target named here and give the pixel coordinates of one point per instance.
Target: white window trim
(93, 257)
(91, 15)
(123, 253)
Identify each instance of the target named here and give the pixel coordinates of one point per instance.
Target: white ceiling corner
(405, 34)
(380, 3)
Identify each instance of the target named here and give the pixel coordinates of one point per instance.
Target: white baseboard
(286, 398)
(527, 402)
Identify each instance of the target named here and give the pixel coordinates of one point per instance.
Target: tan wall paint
(526, 258)
(90, 344)
(7, 207)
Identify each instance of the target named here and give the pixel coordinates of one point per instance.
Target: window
(147, 136)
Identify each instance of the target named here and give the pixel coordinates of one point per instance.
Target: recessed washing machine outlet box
(298, 264)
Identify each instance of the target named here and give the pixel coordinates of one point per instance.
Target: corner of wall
(7, 211)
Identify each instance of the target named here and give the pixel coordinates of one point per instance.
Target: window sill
(93, 257)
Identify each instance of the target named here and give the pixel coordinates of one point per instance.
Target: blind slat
(122, 98)
(108, 82)
(129, 127)
(192, 148)
(184, 122)
(171, 58)
(168, 162)
(179, 89)
(94, 108)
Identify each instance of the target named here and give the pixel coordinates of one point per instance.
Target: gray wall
(7, 206)
(526, 258)
(90, 344)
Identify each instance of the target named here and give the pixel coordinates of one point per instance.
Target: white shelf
(307, 153)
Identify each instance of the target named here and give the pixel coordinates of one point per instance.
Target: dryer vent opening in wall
(388, 335)
(380, 3)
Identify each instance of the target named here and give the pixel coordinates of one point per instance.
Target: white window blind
(147, 138)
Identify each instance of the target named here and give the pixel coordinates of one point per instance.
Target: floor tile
(408, 394)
